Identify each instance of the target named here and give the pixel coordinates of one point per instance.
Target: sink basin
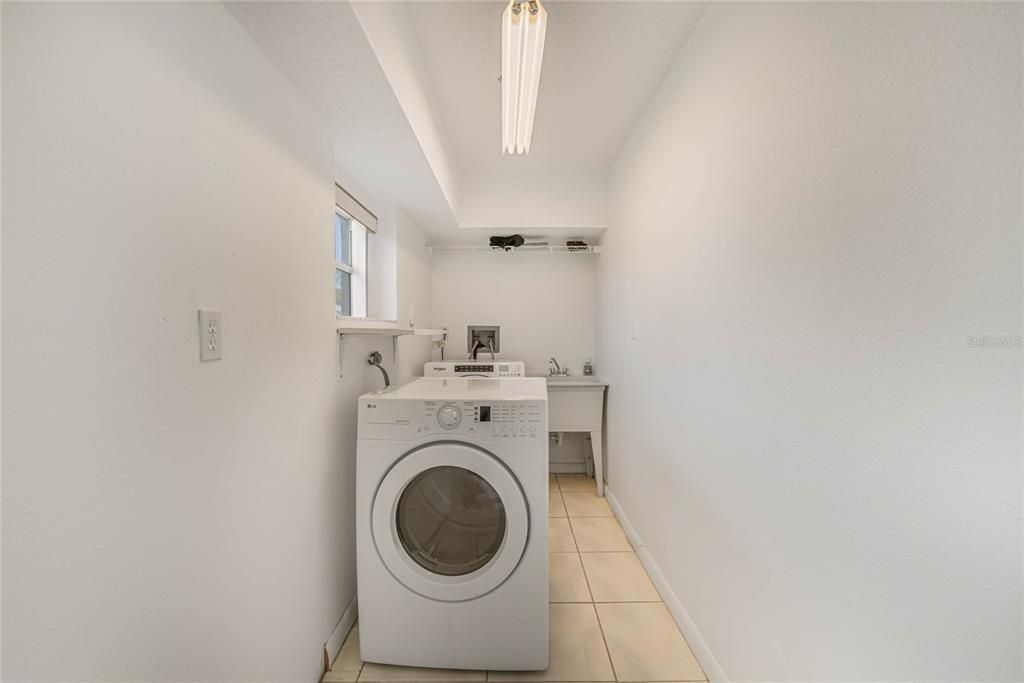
(576, 404)
(577, 381)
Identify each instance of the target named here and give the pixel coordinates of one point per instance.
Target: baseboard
(333, 645)
(700, 648)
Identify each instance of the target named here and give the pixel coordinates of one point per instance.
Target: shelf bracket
(341, 354)
(439, 344)
(393, 333)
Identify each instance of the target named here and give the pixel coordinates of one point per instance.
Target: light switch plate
(210, 336)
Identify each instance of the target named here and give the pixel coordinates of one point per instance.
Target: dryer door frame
(416, 577)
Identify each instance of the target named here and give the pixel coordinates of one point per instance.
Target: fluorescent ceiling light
(522, 50)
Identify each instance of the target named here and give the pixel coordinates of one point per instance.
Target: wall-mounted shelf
(379, 328)
(556, 249)
(375, 331)
(386, 328)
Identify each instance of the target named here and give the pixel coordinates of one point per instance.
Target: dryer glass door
(450, 520)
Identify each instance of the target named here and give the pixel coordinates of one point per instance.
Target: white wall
(389, 29)
(544, 303)
(819, 208)
(164, 520)
(382, 266)
(506, 203)
(414, 297)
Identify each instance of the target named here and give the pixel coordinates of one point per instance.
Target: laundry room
(520, 340)
(544, 305)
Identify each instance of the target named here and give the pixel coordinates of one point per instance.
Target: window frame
(353, 269)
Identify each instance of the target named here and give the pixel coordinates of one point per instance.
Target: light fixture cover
(523, 25)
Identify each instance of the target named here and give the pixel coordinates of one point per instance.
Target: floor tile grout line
(617, 523)
(596, 602)
(593, 606)
(590, 590)
(579, 556)
(604, 639)
(573, 534)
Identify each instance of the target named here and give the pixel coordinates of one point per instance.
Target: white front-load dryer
(452, 494)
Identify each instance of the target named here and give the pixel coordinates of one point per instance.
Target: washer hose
(375, 360)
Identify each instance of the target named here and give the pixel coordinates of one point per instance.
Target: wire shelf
(535, 249)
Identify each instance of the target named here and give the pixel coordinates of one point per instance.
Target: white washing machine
(452, 536)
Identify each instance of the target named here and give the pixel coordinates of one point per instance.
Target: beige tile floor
(608, 622)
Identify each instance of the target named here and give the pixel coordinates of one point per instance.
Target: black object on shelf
(506, 243)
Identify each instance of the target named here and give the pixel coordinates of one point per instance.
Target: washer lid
(450, 521)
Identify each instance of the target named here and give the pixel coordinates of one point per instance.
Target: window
(353, 225)
(349, 266)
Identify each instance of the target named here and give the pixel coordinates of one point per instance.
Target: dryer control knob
(449, 416)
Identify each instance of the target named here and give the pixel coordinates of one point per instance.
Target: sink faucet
(558, 369)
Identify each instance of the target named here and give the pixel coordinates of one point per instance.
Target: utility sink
(578, 381)
(576, 404)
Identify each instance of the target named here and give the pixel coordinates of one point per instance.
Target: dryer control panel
(486, 420)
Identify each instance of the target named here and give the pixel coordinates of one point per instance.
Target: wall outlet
(210, 336)
(484, 333)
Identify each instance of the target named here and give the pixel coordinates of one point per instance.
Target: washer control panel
(484, 420)
(514, 420)
(503, 420)
(473, 368)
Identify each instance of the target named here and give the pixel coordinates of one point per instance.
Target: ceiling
(602, 63)
(322, 48)
(412, 91)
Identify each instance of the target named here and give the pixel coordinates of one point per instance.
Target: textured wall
(164, 520)
(819, 210)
